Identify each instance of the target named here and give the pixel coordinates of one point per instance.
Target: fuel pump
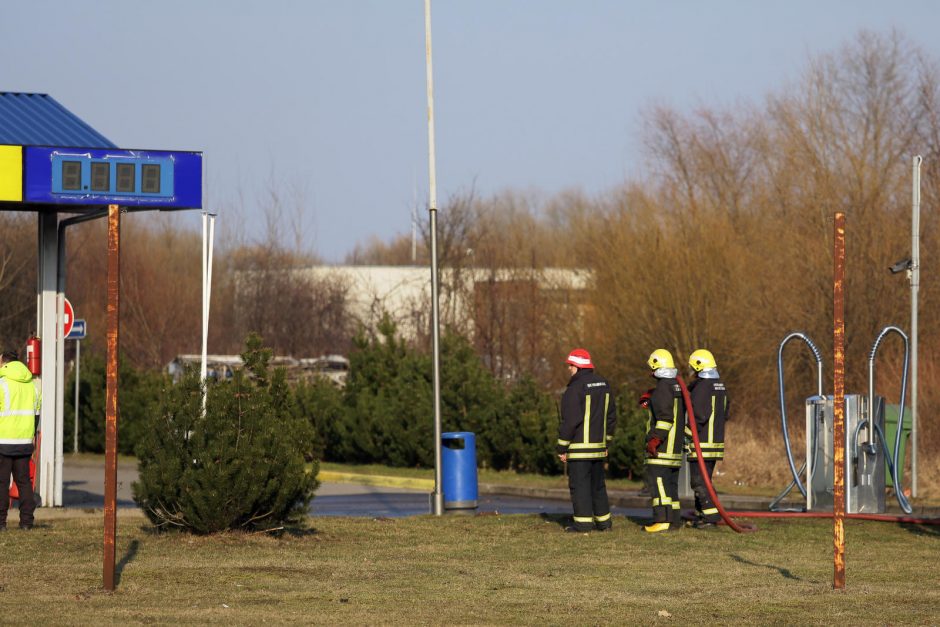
(866, 448)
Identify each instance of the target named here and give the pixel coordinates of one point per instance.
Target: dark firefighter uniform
(710, 404)
(588, 419)
(665, 428)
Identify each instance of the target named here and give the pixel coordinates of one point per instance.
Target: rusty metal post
(111, 398)
(838, 423)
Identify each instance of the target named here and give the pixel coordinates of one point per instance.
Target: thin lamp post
(437, 497)
(915, 286)
(208, 237)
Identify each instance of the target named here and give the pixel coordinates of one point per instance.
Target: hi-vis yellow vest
(19, 404)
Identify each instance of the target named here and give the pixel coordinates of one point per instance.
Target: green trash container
(891, 428)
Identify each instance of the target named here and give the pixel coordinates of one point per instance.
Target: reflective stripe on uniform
(584, 445)
(587, 418)
(564, 442)
(663, 498)
(711, 422)
(597, 455)
(604, 417)
(655, 461)
(583, 519)
(603, 518)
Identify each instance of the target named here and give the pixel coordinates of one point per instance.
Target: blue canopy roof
(38, 120)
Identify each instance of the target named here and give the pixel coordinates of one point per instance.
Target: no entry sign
(68, 317)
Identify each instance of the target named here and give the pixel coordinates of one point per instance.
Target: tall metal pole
(111, 395)
(915, 286)
(208, 235)
(48, 328)
(838, 422)
(437, 497)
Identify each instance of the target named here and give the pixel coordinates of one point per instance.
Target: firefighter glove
(645, 398)
(651, 445)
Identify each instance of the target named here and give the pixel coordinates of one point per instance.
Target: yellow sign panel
(11, 173)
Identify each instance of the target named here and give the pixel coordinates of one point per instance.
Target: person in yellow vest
(19, 405)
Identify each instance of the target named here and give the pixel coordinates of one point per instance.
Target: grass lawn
(470, 569)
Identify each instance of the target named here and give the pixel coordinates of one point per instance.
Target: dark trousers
(704, 506)
(589, 494)
(19, 467)
(663, 484)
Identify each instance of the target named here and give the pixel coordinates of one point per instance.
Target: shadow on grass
(784, 572)
(128, 557)
(562, 520)
(921, 530)
(293, 531)
(566, 520)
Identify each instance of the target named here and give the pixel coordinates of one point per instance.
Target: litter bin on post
(891, 429)
(459, 470)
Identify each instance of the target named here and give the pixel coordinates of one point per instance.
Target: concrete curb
(383, 481)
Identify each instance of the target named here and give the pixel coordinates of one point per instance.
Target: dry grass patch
(479, 570)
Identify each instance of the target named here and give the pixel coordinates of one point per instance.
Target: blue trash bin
(459, 470)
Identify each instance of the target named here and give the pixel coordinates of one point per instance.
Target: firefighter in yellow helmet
(664, 442)
(710, 404)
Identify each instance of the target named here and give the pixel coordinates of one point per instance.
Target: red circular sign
(68, 317)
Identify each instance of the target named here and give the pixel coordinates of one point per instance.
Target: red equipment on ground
(726, 516)
(15, 491)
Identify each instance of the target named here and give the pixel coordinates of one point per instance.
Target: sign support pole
(78, 362)
(111, 399)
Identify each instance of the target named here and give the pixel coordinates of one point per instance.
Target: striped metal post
(111, 394)
(838, 423)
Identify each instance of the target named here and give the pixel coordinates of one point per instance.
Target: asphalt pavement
(83, 487)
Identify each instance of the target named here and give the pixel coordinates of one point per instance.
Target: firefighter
(710, 404)
(664, 442)
(19, 405)
(588, 419)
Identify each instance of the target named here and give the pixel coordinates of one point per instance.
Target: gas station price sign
(152, 179)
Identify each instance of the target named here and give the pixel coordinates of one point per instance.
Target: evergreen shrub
(625, 453)
(240, 467)
(140, 397)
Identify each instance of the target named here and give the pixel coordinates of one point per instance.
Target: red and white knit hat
(579, 358)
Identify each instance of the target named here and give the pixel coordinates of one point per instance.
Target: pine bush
(240, 467)
(625, 455)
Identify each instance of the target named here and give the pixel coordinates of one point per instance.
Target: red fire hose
(726, 515)
(690, 414)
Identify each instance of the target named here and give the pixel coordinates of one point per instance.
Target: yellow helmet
(660, 358)
(702, 360)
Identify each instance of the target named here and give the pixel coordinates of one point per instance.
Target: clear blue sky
(325, 99)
